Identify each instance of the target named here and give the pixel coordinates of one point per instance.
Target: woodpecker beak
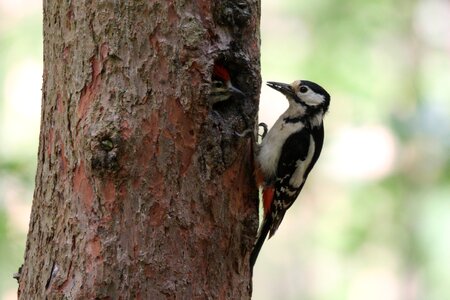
(283, 88)
(235, 91)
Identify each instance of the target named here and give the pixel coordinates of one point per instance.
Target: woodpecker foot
(250, 131)
(265, 129)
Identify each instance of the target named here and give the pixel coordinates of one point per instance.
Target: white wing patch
(299, 175)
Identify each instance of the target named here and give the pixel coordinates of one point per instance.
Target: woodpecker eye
(303, 89)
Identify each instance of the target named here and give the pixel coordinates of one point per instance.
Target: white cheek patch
(311, 98)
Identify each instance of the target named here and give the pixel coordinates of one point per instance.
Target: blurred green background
(20, 100)
(373, 221)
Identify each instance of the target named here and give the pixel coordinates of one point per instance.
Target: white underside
(272, 144)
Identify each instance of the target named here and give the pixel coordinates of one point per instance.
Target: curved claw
(265, 129)
(250, 131)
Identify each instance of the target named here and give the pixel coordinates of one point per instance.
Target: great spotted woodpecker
(288, 152)
(222, 88)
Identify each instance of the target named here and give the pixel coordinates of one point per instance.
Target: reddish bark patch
(97, 65)
(204, 9)
(151, 130)
(154, 40)
(196, 74)
(156, 215)
(93, 251)
(104, 50)
(82, 187)
(136, 182)
(69, 17)
(123, 192)
(125, 129)
(160, 76)
(94, 247)
(59, 103)
(90, 90)
(149, 271)
(66, 53)
(231, 179)
(63, 161)
(88, 93)
(185, 133)
(157, 185)
(108, 191)
(172, 14)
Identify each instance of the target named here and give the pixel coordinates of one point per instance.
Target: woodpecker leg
(249, 131)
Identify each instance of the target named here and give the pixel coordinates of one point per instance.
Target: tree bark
(143, 189)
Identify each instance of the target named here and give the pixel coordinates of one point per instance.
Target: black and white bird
(288, 152)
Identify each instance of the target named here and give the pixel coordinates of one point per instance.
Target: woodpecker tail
(268, 193)
(264, 231)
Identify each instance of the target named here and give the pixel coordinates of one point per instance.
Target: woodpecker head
(311, 96)
(223, 89)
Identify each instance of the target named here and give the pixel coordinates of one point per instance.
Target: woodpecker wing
(298, 156)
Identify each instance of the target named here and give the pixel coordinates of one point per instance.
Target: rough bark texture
(143, 189)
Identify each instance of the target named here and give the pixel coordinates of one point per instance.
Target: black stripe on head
(316, 88)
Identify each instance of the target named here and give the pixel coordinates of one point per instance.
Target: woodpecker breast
(272, 144)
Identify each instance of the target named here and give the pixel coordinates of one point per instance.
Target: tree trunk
(143, 188)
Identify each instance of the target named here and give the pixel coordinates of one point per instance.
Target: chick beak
(235, 90)
(283, 88)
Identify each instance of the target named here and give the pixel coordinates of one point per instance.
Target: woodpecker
(223, 89)
(288, 152)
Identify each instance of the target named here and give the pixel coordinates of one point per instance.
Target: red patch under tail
(268, 193)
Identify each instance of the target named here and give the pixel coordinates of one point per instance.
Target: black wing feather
(295, 148)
